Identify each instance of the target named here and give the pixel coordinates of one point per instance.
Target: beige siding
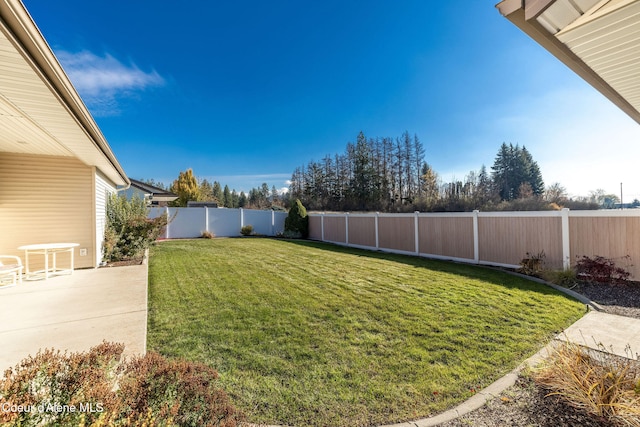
(397, 233)
(446, 236)
(315, 227)
(362, 231)
(334, 229)
(506, 240)
(47, 199)
(610, 237)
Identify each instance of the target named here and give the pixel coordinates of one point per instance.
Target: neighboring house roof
(158, 194)
(40, 111)
(598, 39)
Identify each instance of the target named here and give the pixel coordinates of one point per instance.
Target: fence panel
(447, 236)
(397, 232)
(335, 228)
(187, 222)
(278, 222)
(224, 222)
(362, 231)
(611, 237)
(507, 239)
(259, 220)
(315, 227)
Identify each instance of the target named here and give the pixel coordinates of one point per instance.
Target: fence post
(273, 222)
(476, 243)
(322, 226)
(566, 242)
(241, 218)
(206, 219)
(346, 228)
(377, 235)
(416, 232)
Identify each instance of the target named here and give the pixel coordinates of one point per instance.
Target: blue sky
(245, 91)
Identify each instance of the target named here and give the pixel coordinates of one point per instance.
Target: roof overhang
(41, 113)
(598, 39)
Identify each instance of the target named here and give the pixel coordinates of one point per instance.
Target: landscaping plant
(100, 388)
(247, 230)
(128, 230)
(296, 224)
(601, 270)
(605, 385)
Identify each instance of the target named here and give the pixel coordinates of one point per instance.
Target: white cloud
(103, 80)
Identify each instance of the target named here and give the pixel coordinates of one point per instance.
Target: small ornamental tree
(297, 222)
(128, 231)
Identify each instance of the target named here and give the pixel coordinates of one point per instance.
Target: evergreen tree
(513, 167)
(226, 197)
(217, 193)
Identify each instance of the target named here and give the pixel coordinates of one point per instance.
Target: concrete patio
(74, 312)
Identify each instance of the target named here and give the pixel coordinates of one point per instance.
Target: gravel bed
(526, 404)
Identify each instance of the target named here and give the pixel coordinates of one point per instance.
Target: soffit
(34, 117)
(608, 41)
(598, 39)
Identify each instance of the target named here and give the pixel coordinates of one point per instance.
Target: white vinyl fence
(491, 238)
(192, 222)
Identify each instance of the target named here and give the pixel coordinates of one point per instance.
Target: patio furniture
(47, 249)
(10, 269)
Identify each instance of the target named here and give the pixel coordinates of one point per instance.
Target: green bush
(247, 230)
(128, 231)
(104, 389)
(297, 222)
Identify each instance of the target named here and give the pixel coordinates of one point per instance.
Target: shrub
(147, 390)
(128, 231)
(297, 222)
(601, 270)
(247, 230)
(207, 235)
(533, 264)
(602, 384)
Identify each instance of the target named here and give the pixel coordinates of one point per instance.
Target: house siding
(47, 199)
(103, 188)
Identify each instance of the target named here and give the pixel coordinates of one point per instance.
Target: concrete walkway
(597, 330)
(74, 312)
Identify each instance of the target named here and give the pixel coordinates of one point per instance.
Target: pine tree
(513, 167)
(226, 197)
(217, 193)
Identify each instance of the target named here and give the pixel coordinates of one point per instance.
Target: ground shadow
(471, 271)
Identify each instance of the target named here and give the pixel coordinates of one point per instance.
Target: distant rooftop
(156, 192)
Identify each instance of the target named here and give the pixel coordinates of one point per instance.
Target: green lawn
(305, 333)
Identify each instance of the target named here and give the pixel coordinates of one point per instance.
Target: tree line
(190, 188)
(391, 175)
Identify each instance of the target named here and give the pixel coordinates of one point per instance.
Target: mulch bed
(136, 261)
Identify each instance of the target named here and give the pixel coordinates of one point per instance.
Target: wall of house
(103, 187)
(47, 199)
